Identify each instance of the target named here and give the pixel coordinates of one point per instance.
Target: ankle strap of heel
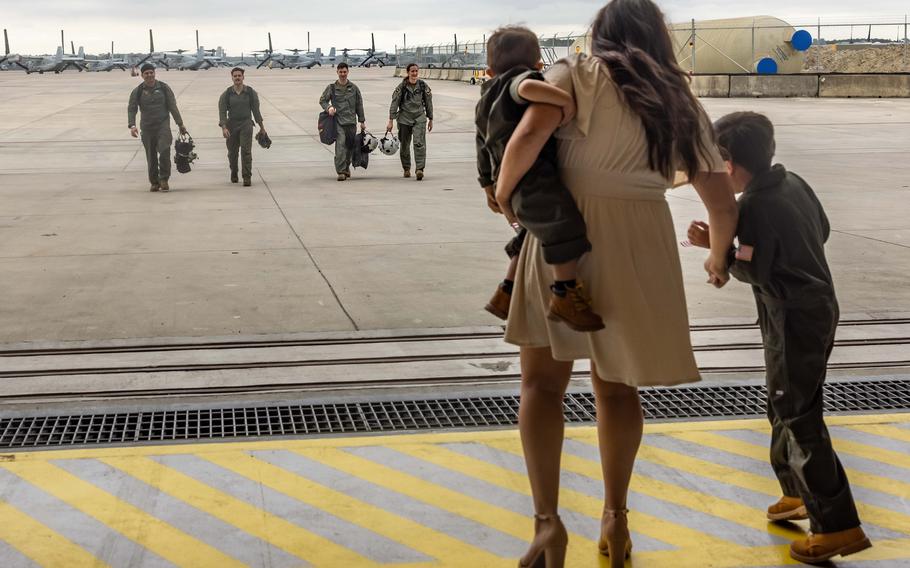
(551, 517)
(616, 513)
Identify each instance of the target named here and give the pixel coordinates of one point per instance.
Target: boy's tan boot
(788, 509)
(499, 303)
(407, 172)
(574, 309)
(819, 548)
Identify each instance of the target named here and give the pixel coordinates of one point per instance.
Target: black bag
(360, 157)
(183, 153)
(326, 124)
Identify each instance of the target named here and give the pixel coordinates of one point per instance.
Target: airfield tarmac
(87, 253)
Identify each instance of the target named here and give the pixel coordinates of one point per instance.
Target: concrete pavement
(86, 252)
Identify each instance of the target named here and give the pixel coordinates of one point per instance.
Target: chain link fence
(727, 46)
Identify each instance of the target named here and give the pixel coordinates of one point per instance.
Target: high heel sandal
(617, 539)
(551, 553)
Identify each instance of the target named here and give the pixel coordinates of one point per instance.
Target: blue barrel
(766, 66)
(801, 40)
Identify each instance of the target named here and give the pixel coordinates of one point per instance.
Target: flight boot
(573, 308)
(788, 509)
(164, 185)
(154, 187)
(407, 172)
(419, 175)
(234, 178)
(821, 547)
(247, 182)
(342, 177)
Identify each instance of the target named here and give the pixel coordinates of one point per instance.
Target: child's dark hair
(342, 65)
(512, 46)
(747, 140)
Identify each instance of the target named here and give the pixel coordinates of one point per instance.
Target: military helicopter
(10, 60)
(368, 58)
(110, 63)
(60, 61)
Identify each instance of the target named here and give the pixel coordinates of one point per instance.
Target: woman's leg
(541, 422)
(619, 428)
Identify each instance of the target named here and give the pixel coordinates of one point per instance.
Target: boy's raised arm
(534, 91)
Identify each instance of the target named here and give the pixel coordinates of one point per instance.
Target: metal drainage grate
(658, 403)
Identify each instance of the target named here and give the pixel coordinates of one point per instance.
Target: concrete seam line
(307, 251)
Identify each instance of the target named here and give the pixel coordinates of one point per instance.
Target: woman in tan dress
(637, 123)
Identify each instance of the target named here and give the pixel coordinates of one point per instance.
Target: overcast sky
(241, 25)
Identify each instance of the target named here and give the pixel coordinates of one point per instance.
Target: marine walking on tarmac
(342, 100)
(238, 107)
(412, 107)
(157, 103)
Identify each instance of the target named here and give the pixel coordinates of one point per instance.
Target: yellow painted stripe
(869, 513)
(434, 438)
(394, 527)
(695, 500)
(296, 540)
(569, 499)
(871, 452)
(884, 430)
(137, 525)
(42, 545)
(882, 550)
(778, 555)
(881, 483)
(508, 522)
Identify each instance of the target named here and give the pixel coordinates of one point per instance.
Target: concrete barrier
(868, 86)
(424, 74)
(455, 74)
(711, 85)
(435, 73)
(774, 86)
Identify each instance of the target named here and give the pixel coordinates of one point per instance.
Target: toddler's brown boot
(574, 309)
(499, 303)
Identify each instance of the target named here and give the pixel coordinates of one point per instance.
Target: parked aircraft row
(182, 60)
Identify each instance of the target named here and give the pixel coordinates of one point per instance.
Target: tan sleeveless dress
(633, 272)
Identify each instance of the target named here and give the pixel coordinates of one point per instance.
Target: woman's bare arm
(716, 191)
(539, 122)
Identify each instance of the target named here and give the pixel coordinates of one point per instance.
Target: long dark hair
(631, 38)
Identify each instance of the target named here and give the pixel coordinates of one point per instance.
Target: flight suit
(412, 106)
(157, 104)
(782, 220)
(236, 111)
(348, 103)
(543, 204)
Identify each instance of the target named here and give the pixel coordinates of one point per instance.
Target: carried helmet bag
(389, 144)
(263, 139)
(369, 142)
(360, 153)
(184, 153)
(326, 124)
